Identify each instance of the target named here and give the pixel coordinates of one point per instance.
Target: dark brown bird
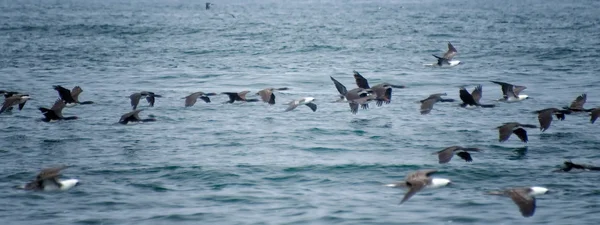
(568, 166)
(355, 97)
(445, 155)
(13, 99)
(240, 97)
(594, 113)
(447, 56)
(268, 96)
(427, 104)
(507, 129)
(523, 197)
(545, 116)
(472, 99)
(383, 91)
(417, 181)
(134, 116)
(191, 99)
(75, 94)
(150, 97)
(577, 104)
(55, 113)
(47, 180)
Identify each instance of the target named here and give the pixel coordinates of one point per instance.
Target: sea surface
(252, 163)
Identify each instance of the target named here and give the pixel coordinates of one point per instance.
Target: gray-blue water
(251, 163)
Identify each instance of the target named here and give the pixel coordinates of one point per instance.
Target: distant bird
(14, 99)
(594, 113)
(75, 94)
(208, 4)
(55, 113)
(568, 166)
(268, 96)
(355, 97)
(545, 116)
(418, 180)
(191, 99)
(65, 94)
(523, 197)
(240, 97)
(47, 180)
(447, 58)
(472, 99)
(150, 97)
(511, 93)
(507, 129)
(427, 104)
(133, 116)
(308, 101)
(383, 91)
(446, 154)
(577, 104)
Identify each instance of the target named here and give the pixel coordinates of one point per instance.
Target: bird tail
(487, 106)
(446, 100)
(282, 89)
(86, 103)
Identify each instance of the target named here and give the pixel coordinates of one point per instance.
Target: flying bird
(240, 97)
(47, 180)
(355, 97)
(577, 104)
(594, 113)
(545, 116)
(191, 99)
(308, 101)
(523, 197)
(14, 99)
(55, 113)
(445, 155)
(568, 166)
(134, 116)
(268, 96)
(472, 99)
(427, 104)
(417, 181)
(507, 129)
(511, 93)
(150, 97)
(383, 91)
(447, 58)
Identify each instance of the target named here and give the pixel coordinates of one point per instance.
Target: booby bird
(240, 97)
(545, 116)
(191, 99)
(427, 104)
(511, 93)
(472, 99)
(568, 166)
(308, 101)
(507, 129)
(445, 155)
(150, 97)
(383, 91)
(577, 104)
(447, 58)
(208, 4)
(55, 113)
(355, 97)
(418, 180)
(134, 116)
(594, 113)
(268, 96)
(47, 180)
(523, 197)
(14, 99)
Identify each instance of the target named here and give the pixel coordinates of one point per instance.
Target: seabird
(427, 104)
(355, 97)
(507, 129)
(545, 116)
(55, 113)
(570, 165)
(472, 99)
(75, 94)
(47, 180)
(523, 197)
(14, 99)
(208, 4)
(240, 97)
(134, 116)
(191, 99)
(447, 58)
(65, 94)
(303, 101)
(383, 91)
(446, 154)
(510, 93)
(594, 113)
(150, 97)
(268, 96)
(418, 180)
(577, 104)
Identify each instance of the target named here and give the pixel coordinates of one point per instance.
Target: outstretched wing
(75, 93)
(578, 102)
(477, 93)
(521, 133)
(450, 53)
(339, 86)
(361, 82)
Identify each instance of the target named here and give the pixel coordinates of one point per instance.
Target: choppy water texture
(254, 164)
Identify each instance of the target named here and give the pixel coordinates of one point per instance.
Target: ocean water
(251, 163)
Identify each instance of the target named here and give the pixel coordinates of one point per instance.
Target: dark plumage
(133, 116)
(447, 56)
(507, 129)
(355, 97)
(383, 91)
(191, 99)
(545, 116)
(150, 97)
(445, 155)
(55, 113)
(427, 104)
(240, 97)
(472, 99)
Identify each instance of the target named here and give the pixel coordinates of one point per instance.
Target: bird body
(150, 97)
(308, 101)
(191, 99)
(446, 59)
(545, 116)
(417, 181)
(267, 95)
(507, 129)
(133, 116)
(238, 96)
(12, 100)
(55, 113)
(47, 180)
(511, 93)
(445, 155)
(523, 197)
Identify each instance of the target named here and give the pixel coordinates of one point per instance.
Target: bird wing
(312, 106)
(545, 118)
(466, 97)
(339, 86)
(521, 133)
(135, 99)
(75, 93)
(445, 155)
(242, 95)
(58, 106)
(191, 99)
(353, 107)
(450, 53)
(151, 99)
(465, 155)
(505, 131)
(517, 89)
(477, 93)
(130, 116)
(361, 82)
(594, 115)
(65, 94)
(525, 202)
(415, 187)
(49, 173)
(292, 106)
(8, 102)
(505, 87)
(578, 102)
(427, 105)
(266, 95)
